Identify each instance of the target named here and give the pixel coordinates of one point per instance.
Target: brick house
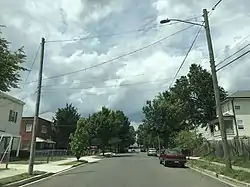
(44, 133)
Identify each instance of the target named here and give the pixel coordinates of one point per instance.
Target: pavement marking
(230, 184)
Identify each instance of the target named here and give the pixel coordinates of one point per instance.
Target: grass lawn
(40, 160)
(76, 162)
(235, 174)
(19, 177)
(236, 161)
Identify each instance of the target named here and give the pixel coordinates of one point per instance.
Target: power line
(34, 60)
(116, 34)
(23, 98)
(121, 85)
(233, 60)
(101, 80)
(94, 94)
(118, 57)
(190, 48)
(233, 54)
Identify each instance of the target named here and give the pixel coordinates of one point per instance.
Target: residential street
(130, 171)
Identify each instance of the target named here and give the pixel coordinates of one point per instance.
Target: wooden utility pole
(217, 92)
(33, 139)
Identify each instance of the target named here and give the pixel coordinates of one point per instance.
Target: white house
(236, 112)
(11, 110)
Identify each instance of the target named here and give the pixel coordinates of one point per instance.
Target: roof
(240, 94)
(31, 118)
(40, 140)
(11, 98)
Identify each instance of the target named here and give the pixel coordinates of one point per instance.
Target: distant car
(172, 156)
(143, 150)
(152, 152)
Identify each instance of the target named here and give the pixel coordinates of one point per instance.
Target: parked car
(172, 156)
(152, 152)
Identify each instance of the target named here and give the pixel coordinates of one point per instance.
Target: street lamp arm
(179, 20)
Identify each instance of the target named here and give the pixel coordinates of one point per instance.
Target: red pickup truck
(172, 156)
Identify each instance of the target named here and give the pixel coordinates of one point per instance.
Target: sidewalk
(52, 167)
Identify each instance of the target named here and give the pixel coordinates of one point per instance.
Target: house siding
(6, 126)
(243, 114)
(231, 107)
(26, 136)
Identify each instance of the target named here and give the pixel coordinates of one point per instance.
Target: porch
(214, 126)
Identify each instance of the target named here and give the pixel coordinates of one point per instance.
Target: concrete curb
(75, 166)
(222, 178)
(28, 180)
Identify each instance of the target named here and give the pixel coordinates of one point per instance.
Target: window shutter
(10, 114)
(16, 113)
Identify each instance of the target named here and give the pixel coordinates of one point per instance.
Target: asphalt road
(129, 171)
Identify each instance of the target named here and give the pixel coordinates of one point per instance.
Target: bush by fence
(237, 147)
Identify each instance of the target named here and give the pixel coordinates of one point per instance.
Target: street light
(215, 82)
(179, 20)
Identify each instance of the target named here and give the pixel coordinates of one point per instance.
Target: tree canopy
(188, 104)
(11, 65)
(106, 129)
(79, 139)
(110, 128)
(65, 121)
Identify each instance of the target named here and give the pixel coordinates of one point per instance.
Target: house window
(28, 127)
(240, 124)
(44, 129)
(237, 107)
(13, 116)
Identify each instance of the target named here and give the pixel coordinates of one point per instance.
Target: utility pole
(33, 139)
(159, 143)
(217, 92)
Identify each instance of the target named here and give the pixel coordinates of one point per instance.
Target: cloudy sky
(83, 33)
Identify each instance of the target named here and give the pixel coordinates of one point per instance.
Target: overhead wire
(244, 47)
(115, 85)
(118, 57)
(237, 58)
(185, 58)
(33, 62)
(32, 65)
(23, 98)
(116, 34)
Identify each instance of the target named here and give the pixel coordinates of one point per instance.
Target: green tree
(189, 141)
(11, 65)
(185, 106)
(110, 129)
(124, 131)
(201, 86)
(65, 121)
(79, 139)
(101, 127)
(131, 136)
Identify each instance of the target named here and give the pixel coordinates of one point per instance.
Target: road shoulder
(217, 173)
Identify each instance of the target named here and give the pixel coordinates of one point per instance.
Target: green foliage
(10, 63)
(65, 121)
(188, 104)
(79, 140)
(108, 128)
(188, 140)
